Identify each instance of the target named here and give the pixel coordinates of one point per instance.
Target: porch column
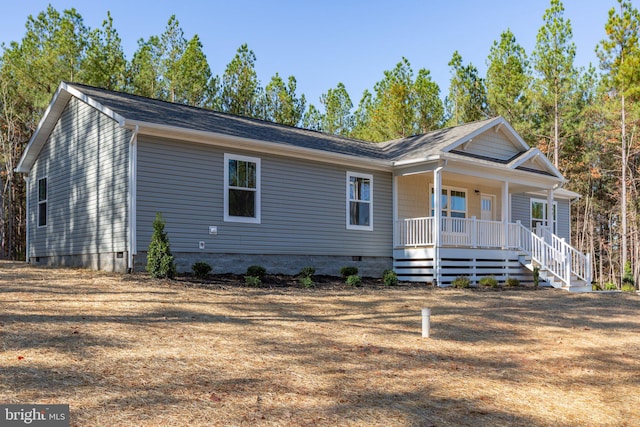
(550, 210)
(437, 219)
(395, 236)
(506, 209)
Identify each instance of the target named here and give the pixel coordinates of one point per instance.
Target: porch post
(395, 236)
(506, 209)
(437, 219)
(550, 210)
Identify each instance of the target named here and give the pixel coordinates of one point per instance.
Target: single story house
(236, 191)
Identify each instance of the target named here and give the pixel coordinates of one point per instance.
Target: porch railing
(575, 262)
(552, 253)
(467, 232)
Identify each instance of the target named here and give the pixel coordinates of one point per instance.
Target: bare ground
(128, 350)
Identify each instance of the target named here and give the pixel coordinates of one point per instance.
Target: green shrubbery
(252, 281)
(306, 277)
(511, 282)
(353, 280)
(159, 258)
(256, 271)
(628, 288)
(389, 277)
(348, 271)
(609, 286)
(489, 281)
(201, 269)
(461, 282)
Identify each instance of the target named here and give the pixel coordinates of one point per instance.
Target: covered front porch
(481, 225)
(473, 210)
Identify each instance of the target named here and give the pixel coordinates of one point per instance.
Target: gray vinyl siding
(303, 209)
(521, 211)
(86, 162)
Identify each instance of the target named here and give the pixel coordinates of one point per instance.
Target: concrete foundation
(276, 264)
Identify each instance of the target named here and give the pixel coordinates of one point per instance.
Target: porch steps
(549, 279)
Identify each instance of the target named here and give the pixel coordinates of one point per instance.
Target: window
(42, 202)
(453, 201)
(539, 213)
(241, 189)
(359, 201)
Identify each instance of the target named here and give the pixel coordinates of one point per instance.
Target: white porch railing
(552, 253)
(575, 262)
(467, 232)
(412, 232)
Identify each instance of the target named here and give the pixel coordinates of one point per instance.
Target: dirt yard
(131, 351)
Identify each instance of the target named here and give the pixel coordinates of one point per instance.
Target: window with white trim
(359, 201)
(539, 214)
(453, 202)
(241, 188)
(43, 195)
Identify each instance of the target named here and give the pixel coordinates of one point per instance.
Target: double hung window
(241, 189)
(359, 201)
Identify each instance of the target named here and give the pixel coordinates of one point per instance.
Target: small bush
(609, 286)
(307, 282)
(461, 282)
(307, 272)
(348, 271)
(595, 287)
(159, 258)
(201, 269)
(628, 288)
(256, 271)
(354, 280)
(252, 281)
(511, 282)
(389, 277)
(489, 281)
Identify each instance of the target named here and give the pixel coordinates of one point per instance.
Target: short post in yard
(426, 322)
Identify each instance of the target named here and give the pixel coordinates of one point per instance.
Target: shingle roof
(430, 143)
(138, 108)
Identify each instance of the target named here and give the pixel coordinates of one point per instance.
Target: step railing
(578, 264)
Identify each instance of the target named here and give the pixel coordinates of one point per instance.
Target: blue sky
(326, 42)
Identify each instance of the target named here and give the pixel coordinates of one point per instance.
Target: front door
(487, 205)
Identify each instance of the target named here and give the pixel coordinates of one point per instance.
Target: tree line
(584, 119)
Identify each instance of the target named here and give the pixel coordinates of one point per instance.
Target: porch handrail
(549, 258)
(580, 264)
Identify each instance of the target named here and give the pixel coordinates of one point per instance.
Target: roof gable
(497, 144)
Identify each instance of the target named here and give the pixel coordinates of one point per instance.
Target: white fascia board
(38, 138)
(105, 110)
(223, 140)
